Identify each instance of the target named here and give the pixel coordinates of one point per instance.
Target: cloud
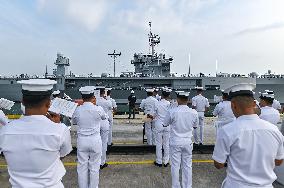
(259, 29)
(86, 13)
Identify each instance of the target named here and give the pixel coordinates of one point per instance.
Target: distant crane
(114, 55)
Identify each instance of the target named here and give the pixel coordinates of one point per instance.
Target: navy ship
(152, 69)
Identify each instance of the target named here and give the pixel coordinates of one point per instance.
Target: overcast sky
(244, 35)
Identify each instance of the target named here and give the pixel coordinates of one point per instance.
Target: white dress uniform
(200, 103)
(34, 162)
(33, 145)
(163, 133)
(250, 146)
(105, 124)
(88, 117)
(3, 119)
(111, 119)
(158, 97)
(148, 106)
(225, 114)
(182, 120)
(270, 114)
(276, 104)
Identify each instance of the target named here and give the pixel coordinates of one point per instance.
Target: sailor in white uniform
(268, 113)
(224, 112)
(56, 94)
(105, 124)
(201, 105)
(114, 107)
(88, 117)
(276, 104)
(3, 119)
(33, 144)
(148, 106)
(163, 133)
(250, 146)
(156, 94)
(182, 120)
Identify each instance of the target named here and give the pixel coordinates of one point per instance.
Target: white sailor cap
(56, 92)
(242, 89)
(167, 90)
(108, 89)
(37, 86)
(100, 88)
(266, 95)
(149, 90)
(269, 91)
(86, 90)
(156, 89)
(182, 94)
(225, 91)
(199, 88)
(131, 91)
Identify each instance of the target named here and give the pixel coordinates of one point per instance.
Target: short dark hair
(165, 94)
(87, 96)
(267, 100)
(102, 91)
(108, 92)
(57, 95)
(149, 93)
(182, 98)
(244, 100)
(33, 101)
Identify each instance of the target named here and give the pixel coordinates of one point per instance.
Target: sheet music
(64, 107)
(6, 104)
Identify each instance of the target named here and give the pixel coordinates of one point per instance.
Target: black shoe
(201, 144)
(103, 166)
(194, 144)
(166, 165)
(157, 164)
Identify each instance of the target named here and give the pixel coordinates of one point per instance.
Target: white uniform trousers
(162, 142)
(154, 133)
(201, 129)
(230, 183)
(110, 131)
(104, 135)
(181, 157)
(149, 133)
(89, 159)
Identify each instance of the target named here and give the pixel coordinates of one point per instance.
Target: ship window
(12, 82)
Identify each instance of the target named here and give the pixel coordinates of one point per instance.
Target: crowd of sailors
(248, 142)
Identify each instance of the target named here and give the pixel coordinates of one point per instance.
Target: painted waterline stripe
(3, 165)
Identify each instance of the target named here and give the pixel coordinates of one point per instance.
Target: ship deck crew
(182, 120)
(88, 117)
(35, 160)
(250, 146)
(268, 113)
(56, 94)
(114, 107)
(105, 124)
(276, 104)
(131, 104)
(224, 112)
(156, 94)
(163, 133)
(201, 105)
(148, 105)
